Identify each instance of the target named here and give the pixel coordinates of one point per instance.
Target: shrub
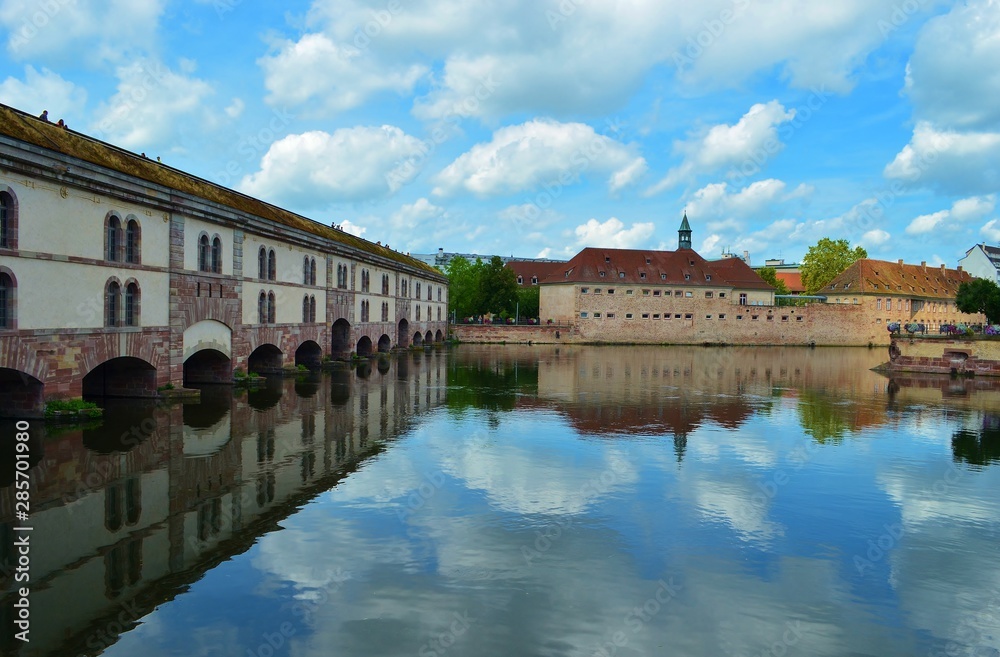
(89, 409)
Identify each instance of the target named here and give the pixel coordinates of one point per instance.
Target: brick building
(887, 292)
(119, 274)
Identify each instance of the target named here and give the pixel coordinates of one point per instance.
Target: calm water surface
(526, 501)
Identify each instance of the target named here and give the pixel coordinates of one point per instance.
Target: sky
(538, 127)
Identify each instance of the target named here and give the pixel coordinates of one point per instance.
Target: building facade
(120, 275)
(982, 261)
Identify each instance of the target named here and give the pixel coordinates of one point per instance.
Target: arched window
(204, 254)
(305, 309)
(132, 304)
(305, 270)
(312, 309)
(8, 221)
(439, 313)
(7, 301)
(272, 265)
(132, 242)
(418, 313)
(262, 308)
(403, 291)
(113, 304)
(385, 283)
(312, 272)
(439, 293)
(262, 263)
(430, 292)
(113, 239)
(270, 307)
(217, 255)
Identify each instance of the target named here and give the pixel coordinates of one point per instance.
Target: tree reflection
(978, 447)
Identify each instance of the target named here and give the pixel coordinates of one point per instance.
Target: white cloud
(352, 228)
(925, 223)
(715, 203)
(412, 215)
(875, 237)
(542, 153)
(991, 230)
(352, 164)
(96, 31)
(44, 90)
(235, 109)
(612, 234)
(951, 161)
(753, 137)
(952, 76)
(336, 77)
(967, 209)
(149, 105)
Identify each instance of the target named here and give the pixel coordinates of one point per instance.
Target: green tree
(528, 298)
(463, 286)
(979, 296)
(497, 288)
(770, 276)
(825, 260)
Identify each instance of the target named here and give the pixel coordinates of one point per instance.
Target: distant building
(982, 262)
(787, 273)
(443, 258)
(897, 292)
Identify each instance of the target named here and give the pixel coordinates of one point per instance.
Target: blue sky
(538, 127)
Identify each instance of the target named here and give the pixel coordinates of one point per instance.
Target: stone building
(887, 292)
(119, 275)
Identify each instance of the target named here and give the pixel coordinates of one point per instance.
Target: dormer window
(602, 274)
(708, 277)
(687, 277)
(648, 261)
(607, 258)
(642, 275)
(663, 277)
(520, 280)
(621, 274)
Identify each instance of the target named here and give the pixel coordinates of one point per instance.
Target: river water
(502, 500)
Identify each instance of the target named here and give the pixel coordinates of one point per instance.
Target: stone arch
(122, 376)
(340, 338)
(208, 366)
(428, 337)
(364, 348)
(403, 334)
(439, 336)
(208, 334)
(309, 354)
(265, 358)
(21, 395)
(418, 339)
(384, 343)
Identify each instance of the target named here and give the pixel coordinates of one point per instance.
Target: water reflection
(536, 501)
(129, 513)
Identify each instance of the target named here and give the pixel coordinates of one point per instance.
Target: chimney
(942, 268)
(960, 268)
(900, 261)
(923, 263)
(746, 257)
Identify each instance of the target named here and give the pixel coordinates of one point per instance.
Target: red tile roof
(792, 280)
(895, 278)
(527, 269)
(639, 267)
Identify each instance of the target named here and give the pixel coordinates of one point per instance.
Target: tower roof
(684, 223)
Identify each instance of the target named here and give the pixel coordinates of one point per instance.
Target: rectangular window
(743, 298)
(656, 315)
(584, 290)
(629, 292)
(708, 295)
(770, 318)
(611, 315)
(645, 315)
(754, 317)
(597, 315)
(645, 293)
(597, 290)
(798, 319)
(583, 314)
(688, 295)
(708, 317)
(688, 316)
(784, 318)
(677, 316)
(722, 295)
(656, 293)
(878, 304)
(678, 293)
(628, 315)
(739, 317)
(611, 290)
(722, 315)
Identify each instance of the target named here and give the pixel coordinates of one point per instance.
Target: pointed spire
(684, 234)
(684, 223)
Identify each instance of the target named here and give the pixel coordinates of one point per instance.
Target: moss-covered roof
(44, 134)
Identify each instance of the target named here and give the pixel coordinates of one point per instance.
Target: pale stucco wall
(193, 228)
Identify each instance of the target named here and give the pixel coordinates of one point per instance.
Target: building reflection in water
(128, 513)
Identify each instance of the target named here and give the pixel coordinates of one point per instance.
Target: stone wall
(964, 356)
